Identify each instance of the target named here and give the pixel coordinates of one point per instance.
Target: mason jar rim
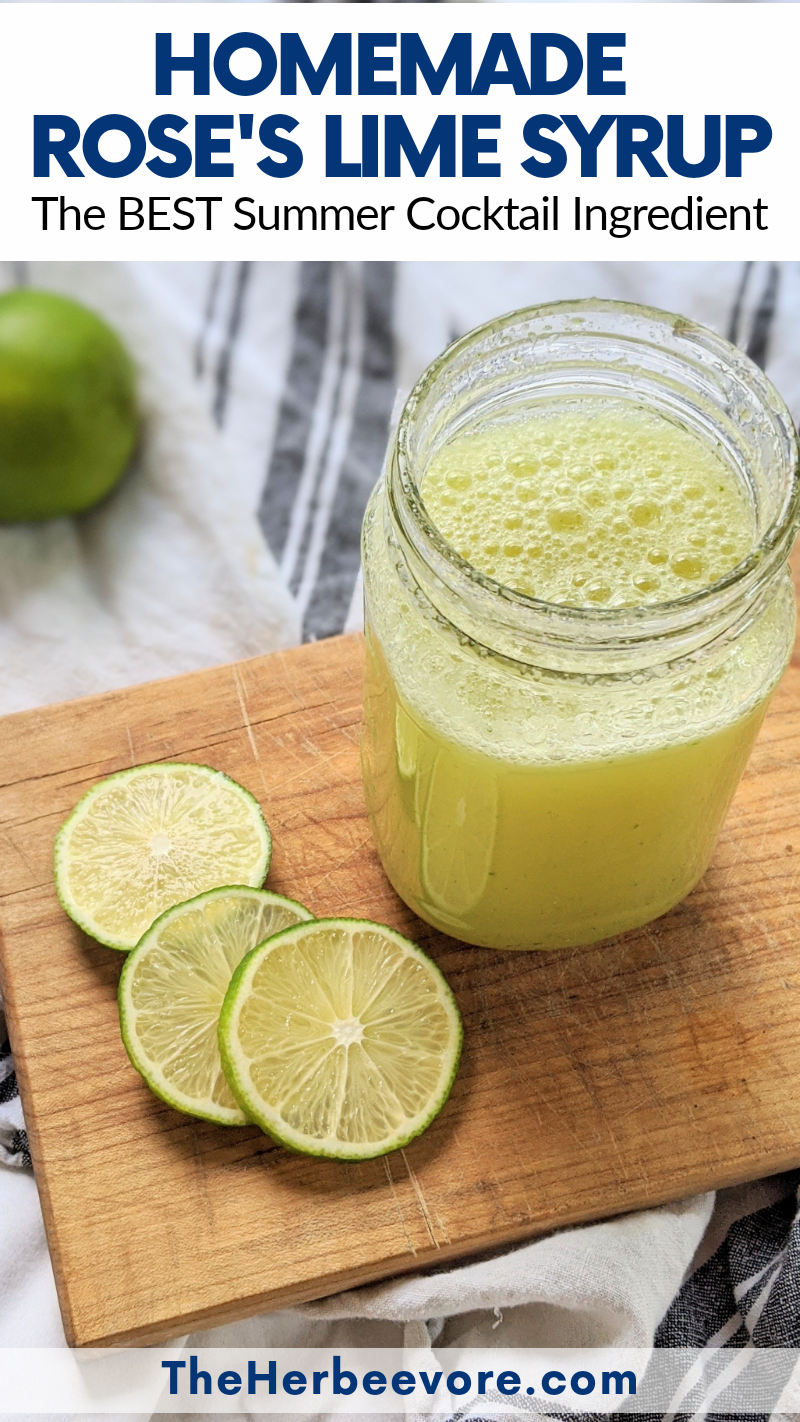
(624, 624)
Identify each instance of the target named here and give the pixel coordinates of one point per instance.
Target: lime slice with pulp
(340, 1038)
(172, 988)
(148, 838)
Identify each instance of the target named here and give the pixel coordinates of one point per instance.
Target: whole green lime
(68, 420)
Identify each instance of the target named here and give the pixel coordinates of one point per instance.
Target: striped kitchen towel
(13, 1140)
(331, 436)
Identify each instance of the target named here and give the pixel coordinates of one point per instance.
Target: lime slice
(172, 988)
(340, 1038)
(148, 838)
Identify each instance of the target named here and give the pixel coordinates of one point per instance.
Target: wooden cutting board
(593, 1081)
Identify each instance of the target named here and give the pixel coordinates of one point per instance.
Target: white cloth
(172, 573)
(606, 1285)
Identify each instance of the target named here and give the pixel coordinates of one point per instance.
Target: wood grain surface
(594, 1081)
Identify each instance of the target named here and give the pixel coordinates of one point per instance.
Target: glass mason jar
(538, 775)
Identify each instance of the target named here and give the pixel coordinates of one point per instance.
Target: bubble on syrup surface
(595, 498)
(598, 591)
(688, 566)
(644, 514)
(565, 520)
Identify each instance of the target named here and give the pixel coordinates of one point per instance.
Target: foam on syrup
(594, 504)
